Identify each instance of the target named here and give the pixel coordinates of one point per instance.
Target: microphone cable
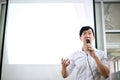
(88, 42)
(90, 68)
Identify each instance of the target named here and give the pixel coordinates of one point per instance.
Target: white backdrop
(37, 32)
(41, 33)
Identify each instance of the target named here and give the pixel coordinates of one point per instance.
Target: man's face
(87, 34)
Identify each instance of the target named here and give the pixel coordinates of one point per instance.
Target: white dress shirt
(80, 60)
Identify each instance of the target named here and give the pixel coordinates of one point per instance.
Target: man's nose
(87, 35)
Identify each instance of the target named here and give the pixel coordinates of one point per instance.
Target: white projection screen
(41, 32)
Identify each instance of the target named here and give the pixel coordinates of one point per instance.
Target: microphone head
(87, 41)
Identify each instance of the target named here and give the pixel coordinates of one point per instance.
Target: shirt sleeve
(71, 66)
(104, 60)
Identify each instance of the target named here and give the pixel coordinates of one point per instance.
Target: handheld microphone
(88, 42)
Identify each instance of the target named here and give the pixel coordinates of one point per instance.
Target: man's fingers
(65, 62)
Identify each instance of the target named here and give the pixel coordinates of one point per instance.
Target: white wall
(33, 72)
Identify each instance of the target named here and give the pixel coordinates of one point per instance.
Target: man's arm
(65, 63)
(64, 72)
(103, 69)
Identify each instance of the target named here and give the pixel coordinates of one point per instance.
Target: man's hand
(91, 50)
(65, 62)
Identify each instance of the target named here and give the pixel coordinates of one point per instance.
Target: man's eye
(84, 33)
(89, 33)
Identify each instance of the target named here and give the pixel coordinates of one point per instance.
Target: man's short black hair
(84, 28)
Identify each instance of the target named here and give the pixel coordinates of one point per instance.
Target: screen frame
(6, 11)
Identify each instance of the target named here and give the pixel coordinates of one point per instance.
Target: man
(89, 62)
